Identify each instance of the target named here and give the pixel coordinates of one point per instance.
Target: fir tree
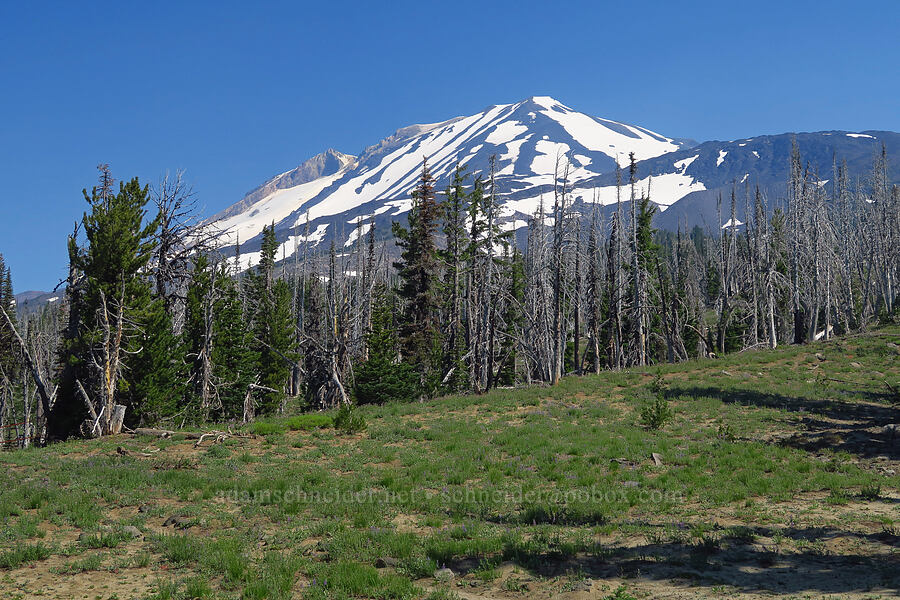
(453, 258)
(157, 373)
(198, 335)
(512, 318)
(316, 363)
(382, 378)
(8, 348)
(273, 327)
(107, 289)
(233, 356)
(418, 271)
(647, 248)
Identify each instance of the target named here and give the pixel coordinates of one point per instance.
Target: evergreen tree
(316, 359)
(109, 296)
(273, 325)
(453, 259)
(157, 373)
(9, 361)
(382, 378)
(648, 249)
(419, 277)
(198, 335)
(513, 319)
(7, 297)
(233, 357)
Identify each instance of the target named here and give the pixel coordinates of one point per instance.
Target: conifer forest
(156, 328)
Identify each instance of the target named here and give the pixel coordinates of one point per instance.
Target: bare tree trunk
(113, 327)
(576, 309)
(46, 400)
(636, 273)
(559, 212)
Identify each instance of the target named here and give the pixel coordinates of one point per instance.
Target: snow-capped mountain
(336, 197)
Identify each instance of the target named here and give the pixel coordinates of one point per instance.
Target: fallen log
(165, 433)
(188, 435)
(217, 436)
(160, 433)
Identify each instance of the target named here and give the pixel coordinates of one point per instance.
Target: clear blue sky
(236, 92)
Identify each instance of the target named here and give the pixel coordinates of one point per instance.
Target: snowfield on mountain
(338, 197)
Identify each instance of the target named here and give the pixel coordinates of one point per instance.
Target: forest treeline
(157, 327)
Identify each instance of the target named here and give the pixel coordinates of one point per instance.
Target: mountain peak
(543, 101)
(335, 191)
(337, 197)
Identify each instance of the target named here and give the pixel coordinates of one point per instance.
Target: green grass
(177, 549)
(303, 422)
(344, 580)
(91, 562)
(11, 559)
(105, 540)
(532, 476)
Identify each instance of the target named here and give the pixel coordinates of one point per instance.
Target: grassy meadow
(767, 473)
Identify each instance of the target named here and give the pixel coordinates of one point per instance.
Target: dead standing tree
(180, 237)
(558, 333)
(46, 398)
(108, 415)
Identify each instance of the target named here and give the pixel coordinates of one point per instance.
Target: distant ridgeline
(28, 303)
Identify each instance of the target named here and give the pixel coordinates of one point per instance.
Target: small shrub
(871, 492)
(81, 510)
(141, 560)
(165, 590)
(742, 533)
(348, 420)
(725, 432)
(418, 566)
(621, 593)
(197, 588)
(656, 413)
(25, 527)
(350, 579)
(511, 584)
(177, 549)
(659, 386)
(487, 570)
(442, 593)
(88, 563)
(837, 497)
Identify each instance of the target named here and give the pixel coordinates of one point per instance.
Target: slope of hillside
(776, 475)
